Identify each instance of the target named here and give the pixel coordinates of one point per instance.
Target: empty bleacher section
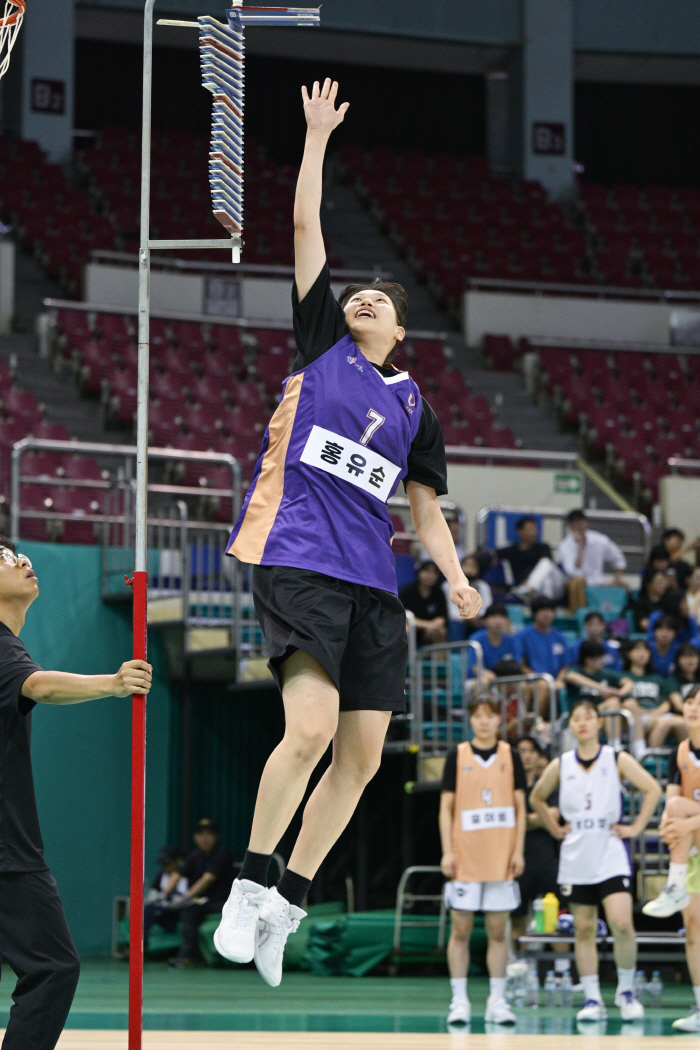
(453, 220)
(62, 219)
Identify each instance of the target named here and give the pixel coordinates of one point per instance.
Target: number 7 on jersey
(372, 427)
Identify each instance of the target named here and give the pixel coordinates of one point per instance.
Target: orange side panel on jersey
(260, 515)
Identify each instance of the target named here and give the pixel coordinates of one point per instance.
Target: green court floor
(222, 1000)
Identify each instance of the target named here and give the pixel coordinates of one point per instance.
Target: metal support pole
(140, 584)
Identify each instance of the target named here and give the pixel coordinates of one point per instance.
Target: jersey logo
(353, 361)
(412, 400)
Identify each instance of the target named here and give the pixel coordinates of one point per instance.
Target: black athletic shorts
(357, 633)
(596, 893)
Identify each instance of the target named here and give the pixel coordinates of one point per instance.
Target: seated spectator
(685, 675)
(659, 561)
(693, 594)
(528, 565)
(674, 541)
(495, 640)
(591, 680)
(674, 603)
(209, 874)
(424, 598)
(595, 628)
(663, 642)
(584, 555)
(458, 628)
(655, 583)
(649, 704)
(541, 648)
(158, 908)
(541, 849)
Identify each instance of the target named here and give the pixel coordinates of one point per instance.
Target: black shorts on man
(356, 633)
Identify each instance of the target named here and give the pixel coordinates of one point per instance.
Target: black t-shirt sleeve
(449, 772)
(219, 863)
(519, 779)
(319, 321)
(16, 666)
(674, 773)
(426, 457)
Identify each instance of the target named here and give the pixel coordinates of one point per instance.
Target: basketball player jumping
(680, 828)
(315, 525)
(594, 865)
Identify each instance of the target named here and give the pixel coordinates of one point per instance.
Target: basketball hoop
(9, 28)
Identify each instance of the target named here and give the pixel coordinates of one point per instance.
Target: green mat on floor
(353, 945)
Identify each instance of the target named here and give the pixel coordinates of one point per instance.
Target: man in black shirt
(209, 872)
(528, 564)
(34, 935)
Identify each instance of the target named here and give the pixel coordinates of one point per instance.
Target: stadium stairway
(57, 393)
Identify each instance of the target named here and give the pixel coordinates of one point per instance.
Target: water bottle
(532, 993)
(655, 989)
(567, 993)
(520, 989)
(538, 915)
(640, 986)
(550, 989)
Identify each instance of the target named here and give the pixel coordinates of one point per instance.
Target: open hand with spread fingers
(319, 110)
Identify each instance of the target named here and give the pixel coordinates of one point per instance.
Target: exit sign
(568, 481)
(549, 139)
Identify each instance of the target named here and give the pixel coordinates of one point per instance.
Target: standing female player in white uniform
(594, 866)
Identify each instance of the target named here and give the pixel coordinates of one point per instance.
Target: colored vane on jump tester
(222, 58)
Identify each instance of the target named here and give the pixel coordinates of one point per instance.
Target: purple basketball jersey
(334, 452)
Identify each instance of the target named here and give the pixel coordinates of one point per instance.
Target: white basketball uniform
(590, 800)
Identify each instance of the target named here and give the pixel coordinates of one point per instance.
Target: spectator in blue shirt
(594, 631)
(663, 642)
(495, 640)
(674, 603)
(542, 648)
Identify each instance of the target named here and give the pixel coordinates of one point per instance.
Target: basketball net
(9, 28)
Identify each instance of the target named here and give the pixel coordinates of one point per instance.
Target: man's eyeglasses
(14, 559)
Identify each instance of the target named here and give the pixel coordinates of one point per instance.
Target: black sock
(293, 887)
(255, 867)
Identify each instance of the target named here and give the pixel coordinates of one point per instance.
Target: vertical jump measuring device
(222, 55)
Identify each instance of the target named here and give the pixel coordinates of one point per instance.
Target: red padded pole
(138, 813)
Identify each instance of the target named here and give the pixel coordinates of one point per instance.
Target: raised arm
(59, 687)
(321, 118)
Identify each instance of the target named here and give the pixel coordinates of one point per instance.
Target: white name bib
(489, 817)
(352, 462)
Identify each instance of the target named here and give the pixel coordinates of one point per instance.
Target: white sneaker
(671, 899)
(235, 935)
(278, 918)
(498, 1012)
(592, 1010)
(630, 1007)
(691, 1023)
(460, 1012)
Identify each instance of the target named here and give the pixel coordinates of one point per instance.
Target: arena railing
(584, 291)
(520, 690)
(103, 255)
(437, 695)
(630, 530)
(191, 580)
(677, 464)
(46, 322)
